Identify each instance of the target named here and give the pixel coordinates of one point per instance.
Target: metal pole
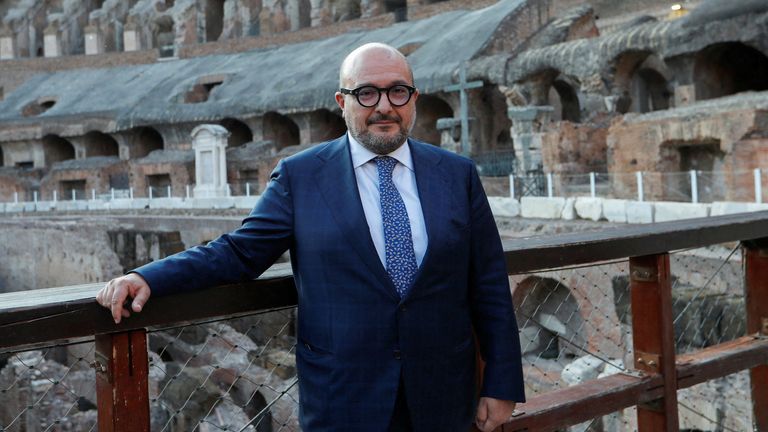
(55, 196)
(592, 191)
(694, 187)
(169, 191)
(15, 197)
(112, 193)
(130, 192)
(512, 186)
(639, 178)
(74, 195)
(247, 189)
(550, 192)
(150, 192)
(93, 194)
(758, 186)
(187, 191)
(34, 196)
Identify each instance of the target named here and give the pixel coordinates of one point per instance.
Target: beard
(379, 144)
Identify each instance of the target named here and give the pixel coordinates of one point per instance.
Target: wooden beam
(756, 299)
(122, 392)
(653, 337)
(604, 396)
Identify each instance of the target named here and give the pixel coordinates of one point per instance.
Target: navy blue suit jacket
(355, 335)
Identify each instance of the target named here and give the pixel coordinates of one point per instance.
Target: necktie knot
(385, 165)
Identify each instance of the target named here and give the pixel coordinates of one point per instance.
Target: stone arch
(429, 108)
(57, 149)
(641, 82)
(547, 314)
(239, 132)
(727, 68)
(214, 19)
(280, 129)
(98, 143)
(563, 97)
(145, 141)
(327, 125)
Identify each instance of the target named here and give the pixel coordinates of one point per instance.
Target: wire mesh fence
(576, 325)
(228, 375)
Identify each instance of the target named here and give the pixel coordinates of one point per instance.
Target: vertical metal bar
(756, 299)
(169, 191)
(55, 196)
(150, 192)
(592, 191)
(112, 193)
(122, 390)
(93, 194)
(247, 189)
(74, 195)
(187, 191)
(512, 186)
(653, 336)
(15, 197)
(694, 187)
(639, 178)
(34, 196)
(758, 186)
(550, 191)
(130, 192)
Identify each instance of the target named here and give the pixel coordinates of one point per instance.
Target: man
(397, 261)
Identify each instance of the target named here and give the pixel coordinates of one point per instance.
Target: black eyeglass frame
(356, 93)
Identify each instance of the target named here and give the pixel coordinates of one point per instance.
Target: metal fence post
(187, 191)
(74, 195)
(34, 196)
(247, 189)
(130, 192)
(639, 178)
(550, 191)
(93, 194)
(694, 187)
(512, 186)
(654, 338)
(55, 196)
(592, 191)
(150, 192)
(15, 197)
(756, 299)
(112, 193)
(758, 186)
(122, 391)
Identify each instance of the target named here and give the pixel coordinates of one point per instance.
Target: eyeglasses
(369, 96)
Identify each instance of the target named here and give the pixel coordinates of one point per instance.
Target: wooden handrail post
(654, 337)
(756, 299)
(122, 390)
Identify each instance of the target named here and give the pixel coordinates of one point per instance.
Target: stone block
(569, 212)
(615, 210)
(120, 203)
(45, 206)
(542, 207)
(582, 369)
(504, 207)
(589, 208)
(720, 208)
(668, 211)
(246, 202)
(79, 205)
(169, 203)
(639, 212)
(213, 203)
(14, 207)
(98, 204)
(140, 203)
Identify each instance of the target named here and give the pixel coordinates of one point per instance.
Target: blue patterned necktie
(400, 257)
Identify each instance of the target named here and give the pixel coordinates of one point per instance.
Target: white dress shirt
(403, 176)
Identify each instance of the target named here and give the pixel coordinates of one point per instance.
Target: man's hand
(492, 413)
(114, 294)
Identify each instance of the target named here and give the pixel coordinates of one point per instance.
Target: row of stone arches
(642, 81)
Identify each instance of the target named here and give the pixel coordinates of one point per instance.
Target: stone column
(131, 37)
(450, 133)
(94, 41)
(210, 143)
(527, 125)
(7, 44)
(52, 41)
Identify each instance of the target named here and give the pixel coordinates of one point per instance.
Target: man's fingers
(119, 294)
(482, 414)
(140, 298)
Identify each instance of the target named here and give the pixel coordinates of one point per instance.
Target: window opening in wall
(159, 184)
(214, 19)
(25, 164)
(165, 39)
(239, 132)
(72, 188)
(201, 91)
(398, 7)
(38, 107)
(57, 149)
(281, 130)
(100, 144)
(729, 68)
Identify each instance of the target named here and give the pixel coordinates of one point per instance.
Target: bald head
(355, 63)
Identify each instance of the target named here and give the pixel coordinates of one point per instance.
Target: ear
(415, 96)
(340, 100)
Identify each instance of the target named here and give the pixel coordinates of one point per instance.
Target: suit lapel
(338, 186)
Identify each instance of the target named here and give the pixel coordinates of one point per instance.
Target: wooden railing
(37, 317)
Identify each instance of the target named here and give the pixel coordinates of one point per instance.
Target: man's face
(381, 128)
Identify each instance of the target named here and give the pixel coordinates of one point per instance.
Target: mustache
(382, 117)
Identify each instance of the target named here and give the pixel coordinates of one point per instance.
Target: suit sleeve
(493, 313)
(243, 254)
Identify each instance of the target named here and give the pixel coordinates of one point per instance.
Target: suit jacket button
(397, 354)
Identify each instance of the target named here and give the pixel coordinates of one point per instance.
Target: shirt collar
(361, 155)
